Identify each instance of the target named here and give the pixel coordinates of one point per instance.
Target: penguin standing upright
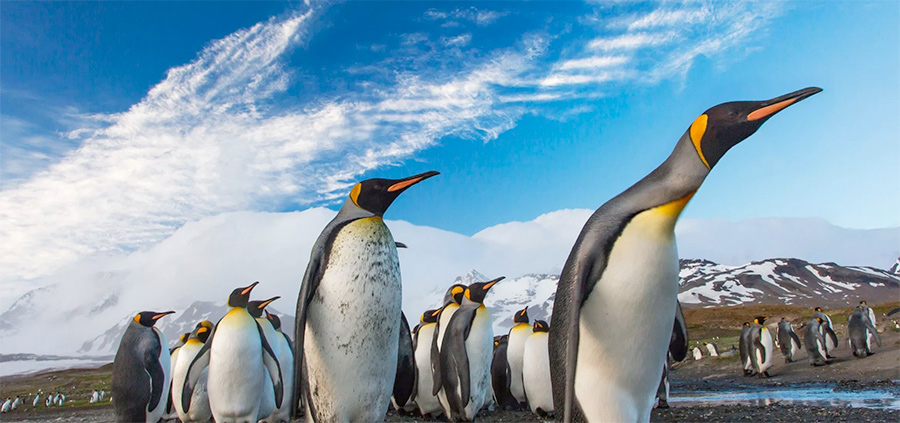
(173, 361)
(744, 347)
(788, 340)
(199, 408)
(814, 341)
(284, 351)
(267, 397)
(536, 370)
(624, 262)
(426, 401)
(140, 379)
(871, 314)
(405, 379)
(500, 375)
(348, 310)
(761, 347)
(452, 299)
(515, 353)
(678, 348)
(466, 354)
(237, 350)
(862, 332)
(827, 328)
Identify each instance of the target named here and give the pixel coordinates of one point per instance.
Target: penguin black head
(760, 320)
(476, 291)
(724, 126)
(541, 326)
(376, 195)
(746, 324)
(455, 294)
(818, 309)
(149, 318)
(819, 319)
(201, 333)
(783, 319)
(256, 308)
(521, 316)
(430, 316)
(275, 320)
(184, 337)
(863, 302)
(241, 296)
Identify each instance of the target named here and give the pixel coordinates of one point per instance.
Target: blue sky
(121, 121)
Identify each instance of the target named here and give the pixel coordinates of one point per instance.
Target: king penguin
(199, 409)
(466, 355)
(871, 314)
(761, 347)
(515, 352)
(862, 332)
(536, 370)
(173, 361)
(237, 350)
(405, 379)
(744, 346)
(452, 299)
(814, 341)
(788, 340)
(678, 349)
(267, 398)
(426, 401)
(625, 262)
(348, 310)
(831, 339)
(500, 375)
(140, 380)
(284, 351)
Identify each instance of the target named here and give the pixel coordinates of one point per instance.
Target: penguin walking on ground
(761, 347)
(696, 353)
(744, 347)
(452, 299)
(426, 401)
(267, 398)
(862, 332)
(16, 402)
(466, 354)
(199, 407)
(7, 405)
(500, 375)
(404, 391)
(536, 370)
(95, 397)
(626, 255)
(871, 314)
(827, 328)
(348, 310)
(678, 348)
(140, 378)
(788, 340)
(236, 350)
(515, 353)
(284, 352)
(814, 341)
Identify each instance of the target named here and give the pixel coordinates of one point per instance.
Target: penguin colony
(349, 358)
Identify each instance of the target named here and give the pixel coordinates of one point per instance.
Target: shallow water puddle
(819, 397)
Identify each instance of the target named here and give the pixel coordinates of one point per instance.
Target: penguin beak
(403, 184)
(769, 107)
(400, 244)
(488, 285)
(160, 315)
(247, 290)
(265, 303)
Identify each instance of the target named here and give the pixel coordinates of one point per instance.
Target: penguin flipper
(271, 362)
(437, 384)
(795, 337)
(200, 362)
(874, 331)
(830, 333)
(157, 375)
(678, 346)
(455, 343)
(757, 343)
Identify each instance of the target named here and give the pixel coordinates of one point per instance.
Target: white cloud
(593, 62)
(581, 79)
(660, 17)
(471, 14)
(461, 40)
(631, 41)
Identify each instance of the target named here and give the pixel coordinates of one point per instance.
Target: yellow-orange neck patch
(698, 128)
(354, 194)
(674, 208)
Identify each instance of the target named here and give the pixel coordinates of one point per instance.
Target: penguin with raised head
(814, 341)
(761, 347)
(626, 255)
(862, 332)
(500, 375)
(466, 355)
(405, 380)
(536, 370)
(426, 401)
(678, 349)
(348, 310)
(515, 352)
(267, 396)
(452, 299)
(827, 328)
(284, 351)
(237, 350)
(788, 340)
(140, 378)
(199, 407)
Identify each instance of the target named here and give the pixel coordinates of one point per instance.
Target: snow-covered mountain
(172, 326)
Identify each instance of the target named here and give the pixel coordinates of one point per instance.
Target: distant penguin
(788, 340)
(452, 299)
(95, 397)
(466, 355)
(625, 264)
(405, 379)
(814, 341)
(536, 371)
(284, 351)
(349, 307)
(237, 350)
(7, 405)
(744, 344)
(267, 395)
(678, 349)
(515, 352)
(36, 400)
(102, 394)
(16, 402)
(711, 349)
(426, 401)
(761, 347)
(140, 376)
(827, 328)
(500, 375)
(862, 332)
(199, 408)
(695, 352)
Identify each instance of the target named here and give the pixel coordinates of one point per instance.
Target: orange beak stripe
(249, 288)
(770, 109)
(404, 184)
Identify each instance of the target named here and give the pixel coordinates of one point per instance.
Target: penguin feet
(663, 404)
